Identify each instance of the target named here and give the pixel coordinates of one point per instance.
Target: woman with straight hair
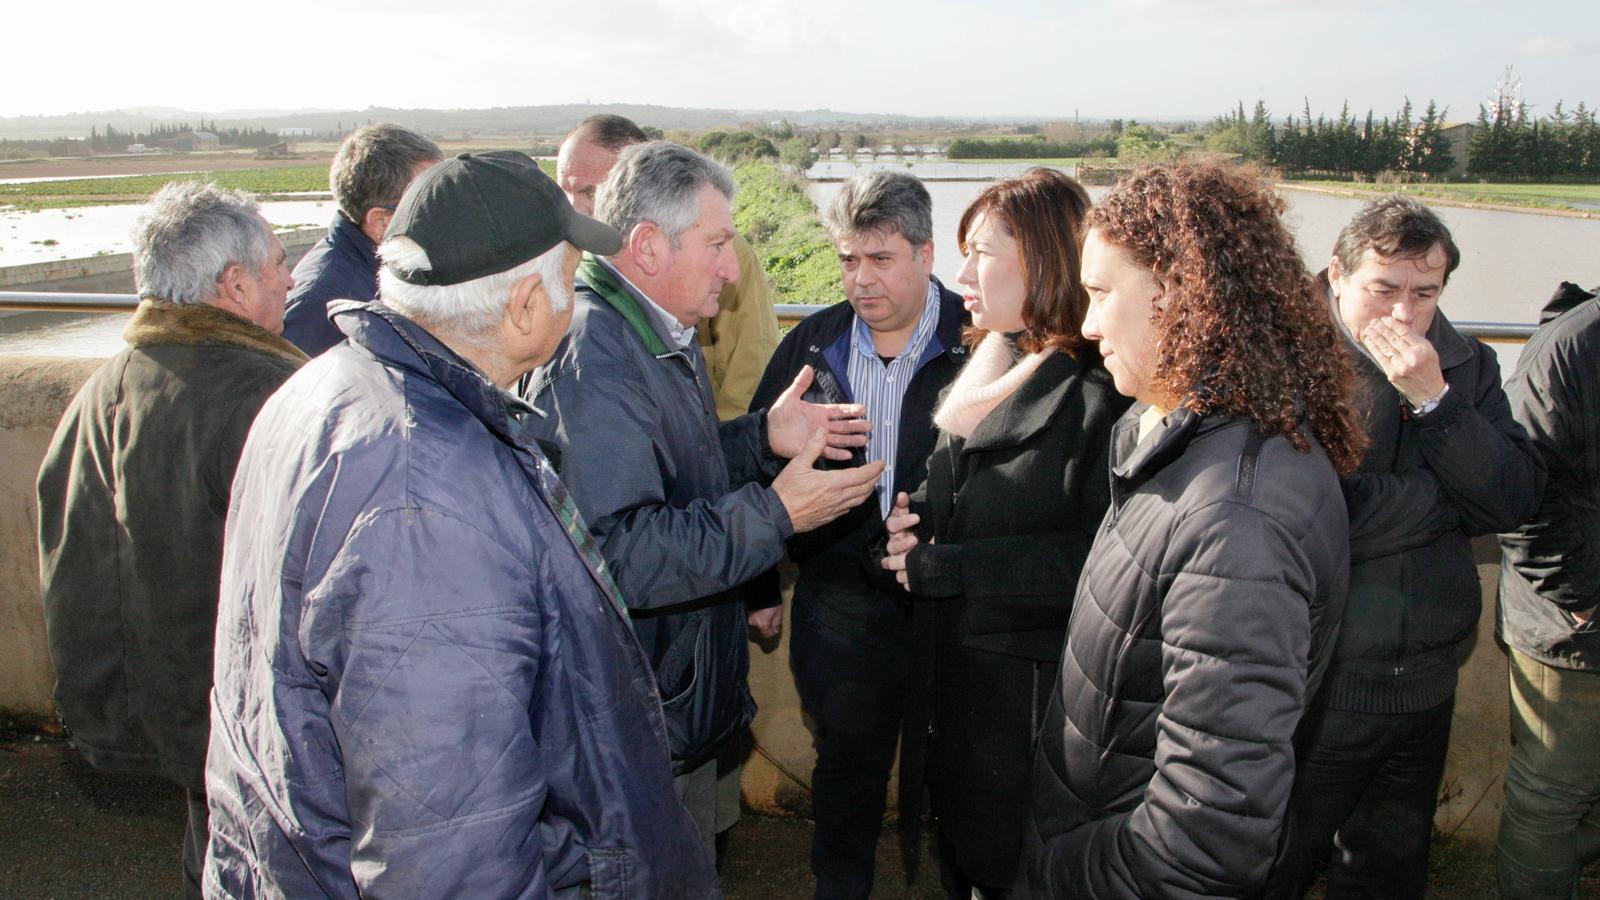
(1208, 605)
(991, 545)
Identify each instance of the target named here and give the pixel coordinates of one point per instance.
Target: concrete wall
(34, 392)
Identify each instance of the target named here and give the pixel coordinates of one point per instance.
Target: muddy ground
(67, 831)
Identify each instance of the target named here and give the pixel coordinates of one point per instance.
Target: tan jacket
(738, 340)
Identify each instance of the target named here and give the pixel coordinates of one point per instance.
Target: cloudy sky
(1128, 58)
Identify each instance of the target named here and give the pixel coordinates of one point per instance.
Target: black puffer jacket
(1426, 486)
(1203, 617)
(1551, 567)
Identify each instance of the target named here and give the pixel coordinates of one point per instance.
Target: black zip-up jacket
(1551, 567)
(1203, 618)
(1426, 486)
(836, 553)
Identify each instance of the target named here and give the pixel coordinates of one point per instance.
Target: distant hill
(446, 123)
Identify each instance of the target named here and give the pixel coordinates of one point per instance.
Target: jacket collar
(1033, 406)
(953, 317)
(621, 297)
(162, 322)
(396, 340)
(345, 233)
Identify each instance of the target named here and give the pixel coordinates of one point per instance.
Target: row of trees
(1345, 146)
(1511, 143)
(115, 140)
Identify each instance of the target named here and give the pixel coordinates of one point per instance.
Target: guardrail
(788, 313)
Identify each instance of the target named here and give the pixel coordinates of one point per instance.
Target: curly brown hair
(1043, 210)
(1246, 330)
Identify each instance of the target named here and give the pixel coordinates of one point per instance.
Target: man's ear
(376, 222)
(1335, 272)
(230, 285)
(523, 302)
(646, 246)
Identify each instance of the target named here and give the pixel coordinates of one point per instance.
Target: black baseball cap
(482, 213)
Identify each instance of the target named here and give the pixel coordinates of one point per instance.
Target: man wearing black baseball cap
(426, 681)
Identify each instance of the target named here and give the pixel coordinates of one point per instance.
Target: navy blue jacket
(425, 685)
(342, 266)
(674, 501)
(836, 555)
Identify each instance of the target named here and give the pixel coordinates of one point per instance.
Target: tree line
(1509, 142)
(115, 140)
(1346, 146)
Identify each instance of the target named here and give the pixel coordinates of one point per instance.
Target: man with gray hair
(427, 684)
(677, 501)
(134, 488)
(739, 339)
(894, 343)
(368, 175)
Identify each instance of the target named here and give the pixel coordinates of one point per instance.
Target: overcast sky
(1127, 58)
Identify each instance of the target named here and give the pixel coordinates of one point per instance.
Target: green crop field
(267, 182)
(1584, 197)
(135, 188)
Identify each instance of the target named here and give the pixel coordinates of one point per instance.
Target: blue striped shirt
(882, 388)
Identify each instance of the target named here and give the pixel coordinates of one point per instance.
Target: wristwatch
(1432, 403)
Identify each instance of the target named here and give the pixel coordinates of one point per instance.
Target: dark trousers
(1368, 783)
(196, 834)
(851, 675)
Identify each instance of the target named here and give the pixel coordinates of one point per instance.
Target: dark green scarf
(603, 282)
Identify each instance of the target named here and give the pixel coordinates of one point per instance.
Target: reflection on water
(52, 234)
(87, 335)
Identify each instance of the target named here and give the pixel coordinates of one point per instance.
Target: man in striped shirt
(893, 345)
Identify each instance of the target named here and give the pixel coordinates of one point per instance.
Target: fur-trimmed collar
(158, 322)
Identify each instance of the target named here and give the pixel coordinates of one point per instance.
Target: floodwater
(52, 234)
(1511, 262)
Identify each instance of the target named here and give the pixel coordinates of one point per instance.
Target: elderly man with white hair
(426, 683)
(134, 488)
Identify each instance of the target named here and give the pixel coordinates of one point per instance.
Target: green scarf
(602, 282)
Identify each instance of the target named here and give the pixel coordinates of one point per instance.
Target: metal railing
(788, 313)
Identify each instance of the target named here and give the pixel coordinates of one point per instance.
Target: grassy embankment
(1578, 197)
(773, 212)
(269, 183)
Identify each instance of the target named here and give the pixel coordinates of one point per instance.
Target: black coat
(1013, 510)
(1426, 486)
(1551, 567)
(1203, 617)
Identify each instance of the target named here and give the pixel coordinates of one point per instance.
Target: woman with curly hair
(1207, 607)
(1016, 487)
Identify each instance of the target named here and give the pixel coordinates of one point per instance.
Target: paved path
(67, 831)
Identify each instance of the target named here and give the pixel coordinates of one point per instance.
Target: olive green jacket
(133, 494)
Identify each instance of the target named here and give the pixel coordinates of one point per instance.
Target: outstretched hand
(791, 419)
(814, 497)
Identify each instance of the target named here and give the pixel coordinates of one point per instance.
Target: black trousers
(1366, 788)
(851, 674)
